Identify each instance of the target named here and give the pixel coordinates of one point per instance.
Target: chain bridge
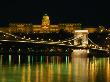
(80, 40)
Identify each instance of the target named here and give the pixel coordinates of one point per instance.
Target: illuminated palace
(45, 27)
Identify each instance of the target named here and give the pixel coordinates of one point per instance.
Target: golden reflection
(41, 73)
(92, 71)
(69, 72)
(3, 76)
(50, 72)
(80, 69)
(14, 68)
(108, 70)
(76, 68)
(23, 74)
(28, 73)
(37, 73)
(3, 79)
(59, 71)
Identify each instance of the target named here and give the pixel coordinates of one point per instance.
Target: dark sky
(87, 12)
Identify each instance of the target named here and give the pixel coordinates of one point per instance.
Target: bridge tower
(81, 38)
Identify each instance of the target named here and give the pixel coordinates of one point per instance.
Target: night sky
(87, 12)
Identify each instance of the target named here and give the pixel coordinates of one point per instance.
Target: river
(74, 68)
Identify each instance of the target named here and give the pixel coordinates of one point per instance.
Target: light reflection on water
(54, 69)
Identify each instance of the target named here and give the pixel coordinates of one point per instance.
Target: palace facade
(45, 27)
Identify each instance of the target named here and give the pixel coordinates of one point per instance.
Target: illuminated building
(70, 27)
(44, 27)
(47, 27)
(20, 27)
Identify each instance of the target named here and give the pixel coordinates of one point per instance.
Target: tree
(101, 29)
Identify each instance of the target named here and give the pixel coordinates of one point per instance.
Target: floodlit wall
(81, 37)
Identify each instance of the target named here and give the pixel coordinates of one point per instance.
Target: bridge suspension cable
(92, 42)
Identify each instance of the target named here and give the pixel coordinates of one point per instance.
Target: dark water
(74, 68)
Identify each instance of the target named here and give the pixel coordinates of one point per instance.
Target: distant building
(70, 27)
(20, 27)
(45, 27)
